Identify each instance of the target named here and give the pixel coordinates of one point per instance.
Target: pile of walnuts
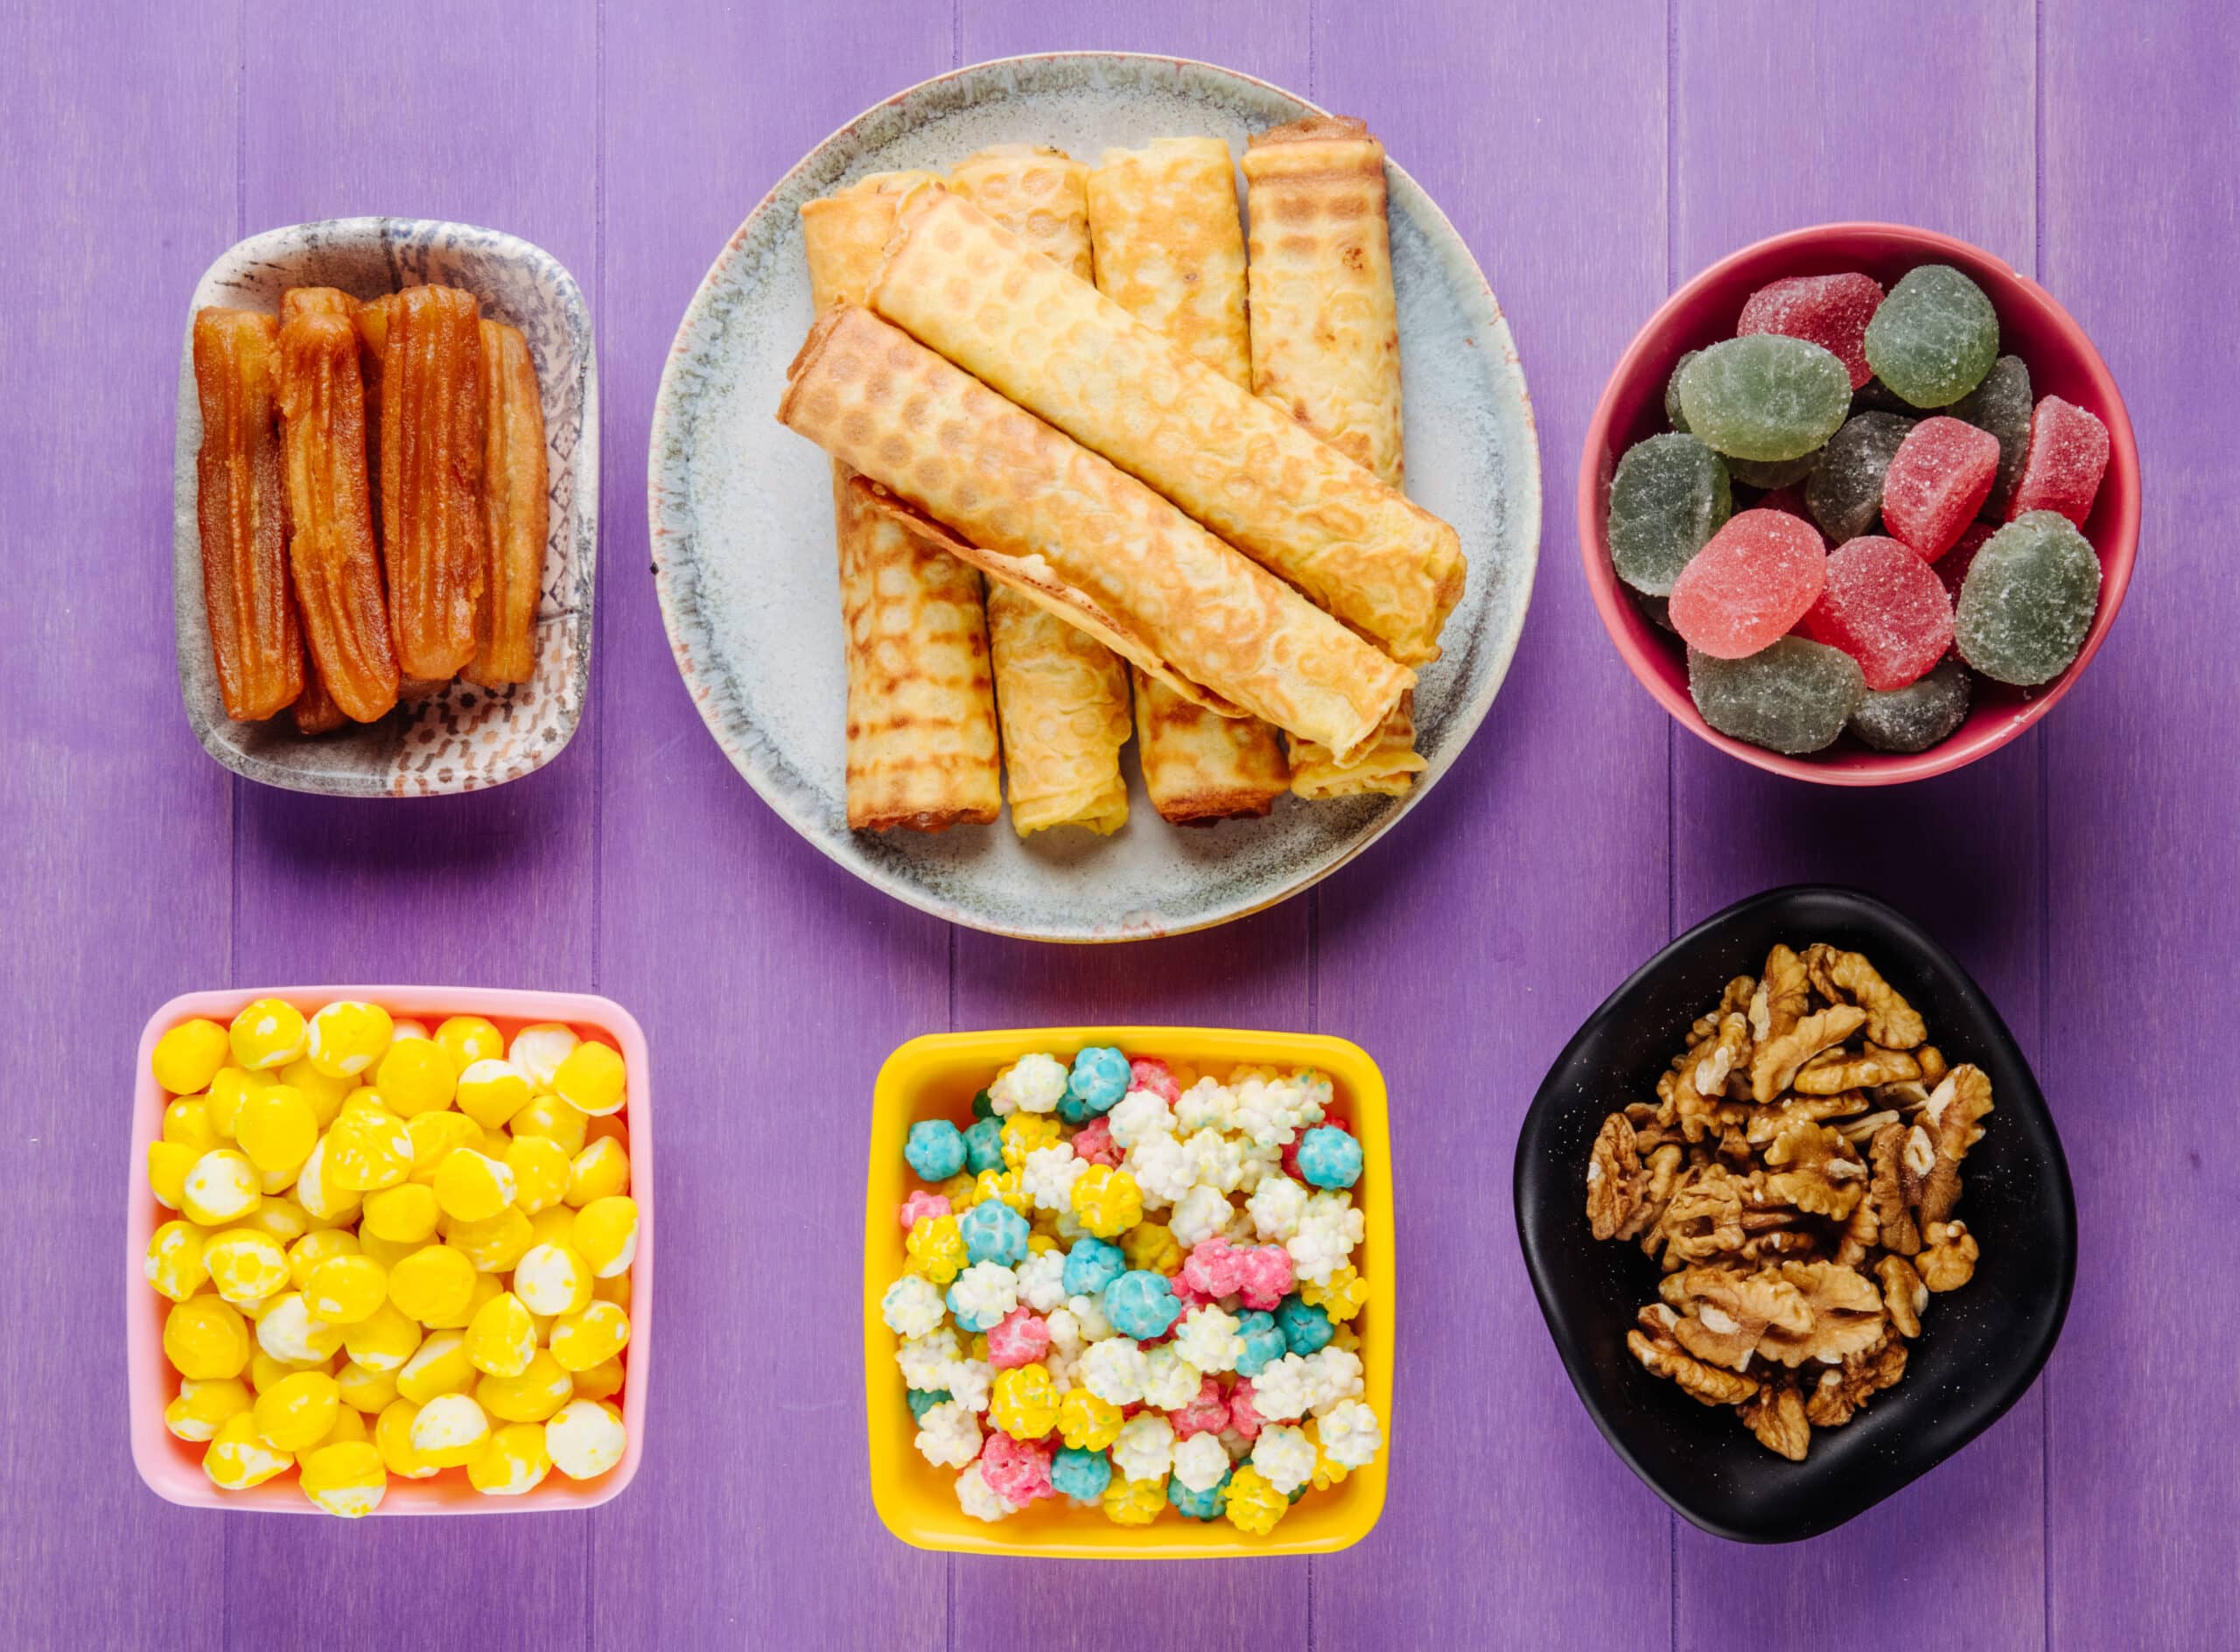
(1796, 1177)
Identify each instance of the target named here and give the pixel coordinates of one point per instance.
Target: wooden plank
(1464, 950)
(1776, 126)
(2140, 221)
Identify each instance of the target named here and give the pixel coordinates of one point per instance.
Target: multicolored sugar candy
(1936, 481)
(1757, 576)
(1671, 495)
(1768, 396)
(2001, 404)
(1886, 608)
(1918, 716)
(1844, 493)
(1830, 310)
(1794, 696)
(1934, 337)
(2028, 600)
(2066, 457)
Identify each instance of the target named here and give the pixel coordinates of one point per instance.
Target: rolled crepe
(1062, 696)
(1034, 509)
(1325, 349)
(921, 748)
(1170, 250)
(960, 283)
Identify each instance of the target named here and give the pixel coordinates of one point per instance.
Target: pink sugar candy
(1153, 1075)
(920, 1204)
(2067, 457)
(1210, 1270)
(1886, 608)
(1830, 310)
(1017, 1471)
(1189, 1296)
(1330, 1121)
(1744, 590)
(1263, 1275)
(1952, 567)
(1207, 1414)
(1019, 1338)
(1242, 1416)
(1938, 480)
(1093, 1144)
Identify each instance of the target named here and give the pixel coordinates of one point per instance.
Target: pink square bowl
(172, 1467)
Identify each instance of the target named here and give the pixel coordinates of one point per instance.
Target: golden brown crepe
(1031, 507)
(921, 746)
(1061, 698)
(1199, 767)
(961, 285)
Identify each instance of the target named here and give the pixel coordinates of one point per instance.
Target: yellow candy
(1088, 1422)
(361, 1098)
(601, 1171)
(324, 1091)
(168, 1163)
(978, 1348)
(269, 1033)
(538, 1051)
(470, 1188)
(469, 1039)
(600, 1381)
(585, 1438)
(438, 1366)
(554, 1226)
(936, 1248)
(283, 1220)
(405, 1026)
(1341, 1298)
(306, 1255)
(501, 1338)
(435, 1282)
(264, 1370)
(364, 1389)
(616, 1291)
(416, 1077)
(368, 1148)
(226, 1089)
(203, 1408)
(1023, 1403)
(393, 1439)
(174, 1263)
(238, 1459)
(490, 1092)
(1346, 1338)
(1328, 1471)
(345, 1290)
(246, 1265)
(321, 1201)
(294, 1413)
(600, 1332)
(1037, 1243)
(205, 1339)
(607, 1235)
(346, 1479)
(451, 1431)
(1254, 1505)
(962, 1192)
(436, 1137)
(553, 1119)
(486, 1286)
(1000, 1184)
(1150, 1246)
(553, 1279)
(221, 1186)
(591, 1079)
(403, 1214)
(1106, 1201)
(494, 1244)
(542, 1170)
(288, 1330)
(349, 1428)
(383, 1340)
(516, 1461)
(1134, 1503)
(277, 1129)
(387, 1252)
(347, 1037)
(1024, 1132)
(188, 1056)
(188, 1122)
(539, 1391)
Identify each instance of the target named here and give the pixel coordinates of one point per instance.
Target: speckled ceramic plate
(742, 518)
(463, 737)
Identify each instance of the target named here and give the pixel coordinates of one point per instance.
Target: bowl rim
(2118, 554)
(1552, 1097)
(902, 1074)
(159, 1469)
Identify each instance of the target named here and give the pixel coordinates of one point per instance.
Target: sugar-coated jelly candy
(1874, 397)
(1766, 396)
(1934, 337)
(1885, 607)
(1938, 479)
(2028, 600)
(1830, 310)
(1675, 414)
(1952, 567)
(2068, 456)
(1669, 495)
(2001, 404)
(1773, 473)
(1792, 697)
(1844, 493)
(1918, 716)
(1756, 578)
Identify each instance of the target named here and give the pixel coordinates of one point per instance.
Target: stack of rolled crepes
(1100, 455)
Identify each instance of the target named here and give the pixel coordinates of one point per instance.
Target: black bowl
(1980, 1348)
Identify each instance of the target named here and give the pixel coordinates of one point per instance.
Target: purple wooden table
(1594, 153)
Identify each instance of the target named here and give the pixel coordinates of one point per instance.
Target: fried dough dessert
(240, 507)
(332, 552)
(315, 710)
(433, 534)
(371, 318)
(516, 512)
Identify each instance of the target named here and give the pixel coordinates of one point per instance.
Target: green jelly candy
(1769, 474)
(1918, 716)
(1934, 337)
(1765, 396)
(1671, 495)
(2002, 405)
(2028, 600)
(1794, 696)
(1844, 494)
(1675, 414)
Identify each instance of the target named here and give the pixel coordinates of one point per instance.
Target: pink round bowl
(2062, 362)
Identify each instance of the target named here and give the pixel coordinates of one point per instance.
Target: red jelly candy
(1952, 567)
(1830, 310)
(1790, 499)
(1938, 479)
(1750, 583)
(2067, 455)
(1886, 608)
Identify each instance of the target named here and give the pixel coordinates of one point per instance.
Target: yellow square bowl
(937, 1077)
